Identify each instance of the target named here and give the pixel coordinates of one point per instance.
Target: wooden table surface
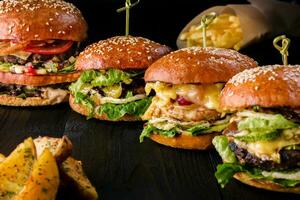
(114, 160)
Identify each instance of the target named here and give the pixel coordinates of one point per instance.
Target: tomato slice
(45, 48)
(31, 71)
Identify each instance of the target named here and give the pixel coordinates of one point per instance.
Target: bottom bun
(82, 110)
(7, 100)
(201, 142)
(265, 184)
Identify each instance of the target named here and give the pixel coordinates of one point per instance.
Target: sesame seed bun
(38, 80)
(7, 100)
(267, 86)
(121, 52)
(199, 66)
(27, 20)
(201, 142)
(264, 184)
(84, 111)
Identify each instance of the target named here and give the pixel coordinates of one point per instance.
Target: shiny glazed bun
(27, 20)
(121, 52)
(267, 86)
(199, 66)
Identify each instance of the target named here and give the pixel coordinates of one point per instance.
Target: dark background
(162, 20)
(114, 160)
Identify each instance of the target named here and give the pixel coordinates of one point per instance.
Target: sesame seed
(127, 46)
(272, 73)
(7, 6)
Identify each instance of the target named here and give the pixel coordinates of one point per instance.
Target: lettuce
(111, 77)
(5, 66)
(221, 145)
(116, 111)
(93, 78)
(170, 128)
(84, 100)
(149, 129)
(263, 127)
(67, 69)
(274, 122)
(203, 129)
(226, 171)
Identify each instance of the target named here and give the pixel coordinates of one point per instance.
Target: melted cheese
(269, 150)
(206, 95)
(22, 54)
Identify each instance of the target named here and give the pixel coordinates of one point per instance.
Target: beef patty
(290, 159)
(38, 59)
(17, 90)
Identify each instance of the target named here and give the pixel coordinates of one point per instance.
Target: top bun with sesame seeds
(198, 65)
(23, 21)
(267, 86)
(121, 52)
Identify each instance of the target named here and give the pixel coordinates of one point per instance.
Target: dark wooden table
(114, 160)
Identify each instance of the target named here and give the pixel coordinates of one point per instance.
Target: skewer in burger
(112, 85)
(261, 146)
(39, 40)
(184, 112)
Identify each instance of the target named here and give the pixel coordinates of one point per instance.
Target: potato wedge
(61, 148)
(73, 176)
(16, 169)
(2, 157)
(44, 180)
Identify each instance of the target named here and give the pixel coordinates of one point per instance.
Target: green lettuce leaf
(116, 111)
(149, 129)
(215, 128)
(287, 183)
(67, 69)
(84, 100)
(275, 122)
(93, 78)
(226, 171)
(198, 129)
(111, 77)
(221, 145)
(5, 67)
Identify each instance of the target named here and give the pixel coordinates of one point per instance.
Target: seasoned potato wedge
(61, 148)
(2, 157)
(73, 176)
(16, 169)
(44, 180)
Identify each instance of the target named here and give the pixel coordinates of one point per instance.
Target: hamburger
(39, 41)
(261, 146)
(112, 86)
(184, 112)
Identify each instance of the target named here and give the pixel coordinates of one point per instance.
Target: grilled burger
(38, 44)
(261, 146)
(184, 112)
(112, 86)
